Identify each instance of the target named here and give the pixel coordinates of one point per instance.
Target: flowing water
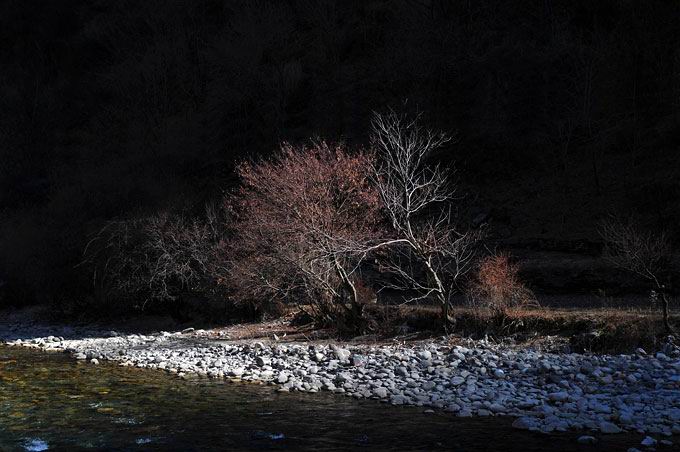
(48, 401)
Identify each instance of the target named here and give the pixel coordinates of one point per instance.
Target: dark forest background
(564, 111)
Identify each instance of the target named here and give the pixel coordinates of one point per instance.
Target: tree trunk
(662, 289)
(356, 309)
(446, 323)
(664, 309)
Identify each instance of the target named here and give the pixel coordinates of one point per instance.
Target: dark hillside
(564, 111)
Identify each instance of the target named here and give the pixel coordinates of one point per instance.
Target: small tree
(644, 253)
(431, 252)
(302, 222)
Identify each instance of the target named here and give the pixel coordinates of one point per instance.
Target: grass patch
(604, 330)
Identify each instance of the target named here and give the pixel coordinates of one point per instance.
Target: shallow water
(49, 401)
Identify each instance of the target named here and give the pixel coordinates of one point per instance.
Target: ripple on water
(35, 445)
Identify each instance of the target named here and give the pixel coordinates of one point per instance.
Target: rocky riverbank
(545, 391)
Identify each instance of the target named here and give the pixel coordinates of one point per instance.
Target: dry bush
(302, 222)
(496, 286)
(154, 258)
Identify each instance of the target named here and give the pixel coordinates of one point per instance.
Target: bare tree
(419, 201)
(644, 253)
(157, 257)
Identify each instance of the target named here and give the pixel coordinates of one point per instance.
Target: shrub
(301, 222)
(496, 286)
(160, 257)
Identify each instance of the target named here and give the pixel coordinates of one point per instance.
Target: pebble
(586, 439)
(525, 423)
(648, 441)
(608, 427)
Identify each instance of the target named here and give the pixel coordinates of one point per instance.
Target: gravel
(546, 392)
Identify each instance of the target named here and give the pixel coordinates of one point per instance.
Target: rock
(457, 381)
(586, 439)
(262, 361)
(343, 377)
(358, 360)
(525, 423)
(380, 392)
(94, 361)
(648, 441)
(428, 385)
(558, 396)
(282, 378)
(258, 345)
(464, 413)
(497, 408)
(237, 372)
(453, 408)
(586, 368)
(342, 354)
(609, 428)
(424, 355)
(498, 373)
(80, 356)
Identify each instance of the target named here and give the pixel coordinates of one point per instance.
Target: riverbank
(50, 401)
(545, 391)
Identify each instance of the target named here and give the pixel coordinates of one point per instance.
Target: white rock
(237, 372)
(648, 441)
(342, 354)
